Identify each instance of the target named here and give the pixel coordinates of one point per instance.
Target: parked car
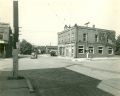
(34, 55)
(53, 53)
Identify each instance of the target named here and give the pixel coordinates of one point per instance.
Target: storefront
(5, 40)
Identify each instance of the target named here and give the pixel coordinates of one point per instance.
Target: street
(104, 68)
(40, 63)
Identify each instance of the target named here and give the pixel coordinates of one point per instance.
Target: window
(68, 37)
(100, 50)
(1, 36)
(72, 36)
(81, 49)
(107, 39)
(84, 37)
(72, 50)
(110, 50)
(91, 50)
(96, 38)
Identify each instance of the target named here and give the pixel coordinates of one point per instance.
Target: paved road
(99, 69)
(40, 63)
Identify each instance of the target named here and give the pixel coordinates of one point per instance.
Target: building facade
(5, 40)
(82, 42)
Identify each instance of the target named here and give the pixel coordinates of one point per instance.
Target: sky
(41, 20)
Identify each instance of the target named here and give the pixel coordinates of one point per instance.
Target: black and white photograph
(59, 48)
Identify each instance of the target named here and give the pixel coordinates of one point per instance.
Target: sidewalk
(13, 87)
(111, 85)
(105, 69)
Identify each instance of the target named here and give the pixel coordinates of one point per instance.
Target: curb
(110, 86)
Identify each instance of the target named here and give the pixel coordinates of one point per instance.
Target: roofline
(85, 28)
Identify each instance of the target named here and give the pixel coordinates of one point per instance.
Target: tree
(25, 47)
(117, 51)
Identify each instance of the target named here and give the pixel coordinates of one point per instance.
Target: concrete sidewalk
(10, 87)
(105, 69)
(14, 88)
(111, 85)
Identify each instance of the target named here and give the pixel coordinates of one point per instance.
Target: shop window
(110, 50)
(91, 49)
(81, 49)
(100, 50)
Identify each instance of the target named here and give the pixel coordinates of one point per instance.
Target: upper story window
(68, 37)
(100, 50)
(96, 38)
(107, 39)
(81, 49)
(110, 51)
(84, 37)
(1, 36)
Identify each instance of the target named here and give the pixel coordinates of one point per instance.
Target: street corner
(110, 85)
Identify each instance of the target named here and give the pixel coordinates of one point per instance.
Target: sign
(18, 45)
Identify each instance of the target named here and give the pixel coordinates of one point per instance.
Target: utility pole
(87, 49)
(15, 39)
(76, 41)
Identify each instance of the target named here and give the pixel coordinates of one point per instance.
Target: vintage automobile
(53, 53)
(34, 55)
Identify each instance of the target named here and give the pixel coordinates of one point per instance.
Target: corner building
(78, 41)
(5, 40)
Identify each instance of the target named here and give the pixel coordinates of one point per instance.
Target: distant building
(51, 48)
(42, 49)
(47, 49)
(5, 40)
(80, 41)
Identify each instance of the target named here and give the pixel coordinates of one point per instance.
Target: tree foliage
(117, 52)
(25, 47)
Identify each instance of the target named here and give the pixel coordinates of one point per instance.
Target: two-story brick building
(5, 40)
(82, 41)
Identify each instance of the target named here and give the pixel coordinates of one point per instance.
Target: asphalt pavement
(63, 82)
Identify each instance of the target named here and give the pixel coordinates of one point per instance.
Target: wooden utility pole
(15, 39)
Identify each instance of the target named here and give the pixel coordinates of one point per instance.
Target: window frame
(85, 38)
(1, 36)
(92, 49)
(96, 38)
(81, 48)
(109, 50)
(100, 49)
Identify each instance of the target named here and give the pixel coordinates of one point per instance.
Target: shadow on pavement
(62, 82)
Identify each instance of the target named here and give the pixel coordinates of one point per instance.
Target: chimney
(75, 25)
(93, 26)
(65, 27)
